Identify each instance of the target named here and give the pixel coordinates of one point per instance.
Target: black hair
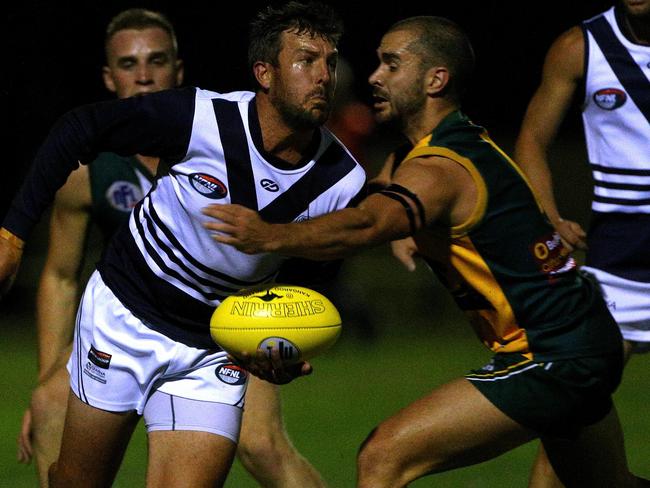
(313, 18)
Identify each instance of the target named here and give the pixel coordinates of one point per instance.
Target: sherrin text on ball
(301, 323)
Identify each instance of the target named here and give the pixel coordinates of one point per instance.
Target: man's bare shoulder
(567, 52)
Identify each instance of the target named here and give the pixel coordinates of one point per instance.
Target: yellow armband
(15, 241)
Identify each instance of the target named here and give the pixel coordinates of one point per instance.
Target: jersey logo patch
(231, 374)
(208, 186)
(269, 185)
(610, 98)
(123, 195)
(98, 363)
(99, 358)
(551, 256)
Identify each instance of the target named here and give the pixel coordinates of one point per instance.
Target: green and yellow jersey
(506, 266)
(117, 184)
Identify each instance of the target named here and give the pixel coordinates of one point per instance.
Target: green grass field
(421, 342)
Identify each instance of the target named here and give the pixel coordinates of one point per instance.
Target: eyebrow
(389, 56)
(153, 55)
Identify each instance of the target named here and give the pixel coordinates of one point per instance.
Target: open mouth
(379, 101)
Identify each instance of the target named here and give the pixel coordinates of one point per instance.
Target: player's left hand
(271, 367)
(405, 251)
(25, 438)
(238, 226)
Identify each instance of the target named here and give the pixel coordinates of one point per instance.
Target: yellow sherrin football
(300, 322)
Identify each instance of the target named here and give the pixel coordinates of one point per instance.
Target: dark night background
(54, 54)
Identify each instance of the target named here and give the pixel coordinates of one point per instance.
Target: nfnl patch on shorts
(99, 358)
(231, 374)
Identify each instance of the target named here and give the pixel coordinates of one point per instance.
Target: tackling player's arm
(405, 249)
(562, 72)
(442, 191)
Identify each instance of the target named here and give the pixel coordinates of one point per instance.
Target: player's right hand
(271, 367)
(572, 234)
(11, 252)
(25, 439)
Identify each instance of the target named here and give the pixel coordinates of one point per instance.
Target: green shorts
(555, 398)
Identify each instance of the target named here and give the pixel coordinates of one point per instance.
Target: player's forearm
(55, 316)
(333, 236)
(531, 157)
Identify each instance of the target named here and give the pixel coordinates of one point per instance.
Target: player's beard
(298, 117)
(404, 108)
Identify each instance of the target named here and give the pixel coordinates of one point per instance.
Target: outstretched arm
(563, 69)
(443, 187)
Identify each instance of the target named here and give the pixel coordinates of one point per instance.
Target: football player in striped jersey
(604, 60)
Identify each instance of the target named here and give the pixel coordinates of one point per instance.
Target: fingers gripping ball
(300, 322)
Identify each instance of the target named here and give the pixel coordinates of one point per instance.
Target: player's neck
(149, 162)
(638, 28)
(278, 138)
(422, 124)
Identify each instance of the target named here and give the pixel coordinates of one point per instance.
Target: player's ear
(180, 72)
(109, 83)
(263, 74)
(436, 80)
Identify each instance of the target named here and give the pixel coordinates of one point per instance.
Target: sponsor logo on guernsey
(208, 186)
(269, 185)
(288, 350)
(99, 358)
(231, 374)
(551, 256)
(610, 98)
(123, 195)
(97, 364)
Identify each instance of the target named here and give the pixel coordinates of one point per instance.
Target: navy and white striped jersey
(164, 266)
(616, 118)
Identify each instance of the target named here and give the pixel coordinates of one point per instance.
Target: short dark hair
(441, 41)
(314, 18)
(140, 18)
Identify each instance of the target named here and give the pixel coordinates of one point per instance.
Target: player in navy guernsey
(475, 219)
(605, 62)
(142, 344)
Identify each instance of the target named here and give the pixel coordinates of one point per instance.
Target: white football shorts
(629, 303)
(120, 364)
